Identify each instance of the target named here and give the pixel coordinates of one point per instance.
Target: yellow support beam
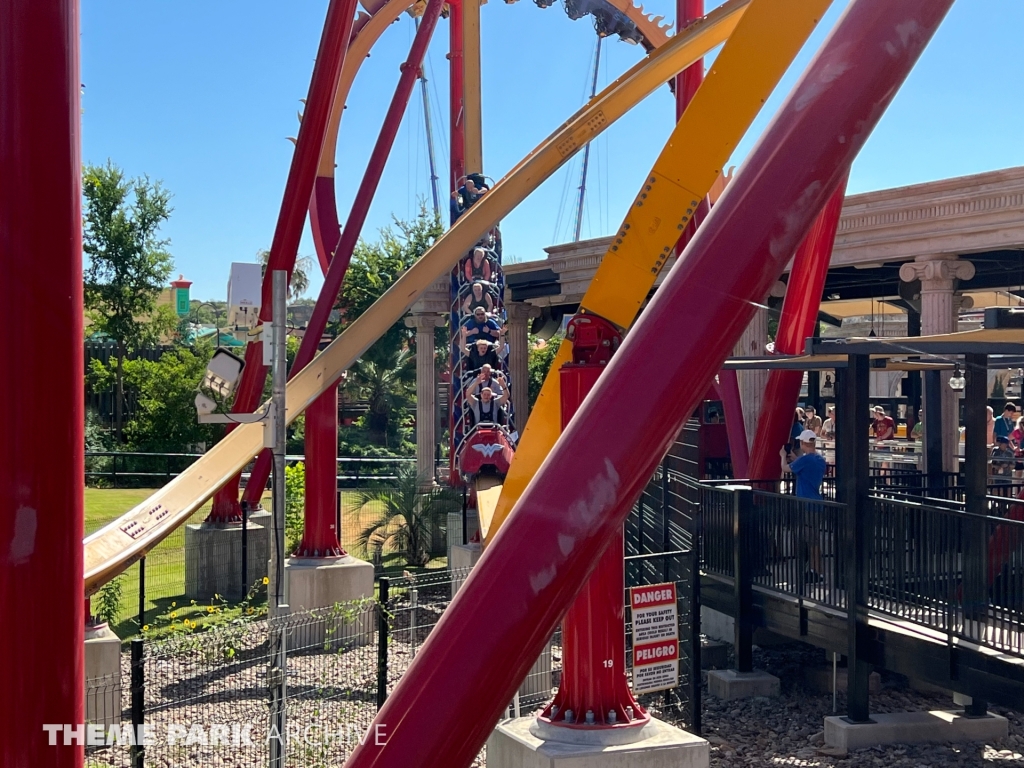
(472, 87)
(742, 77)
(114, 547)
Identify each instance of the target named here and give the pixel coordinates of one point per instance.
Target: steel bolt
(590, 717)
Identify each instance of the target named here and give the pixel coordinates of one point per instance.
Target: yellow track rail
(113, 548)
(743, 75)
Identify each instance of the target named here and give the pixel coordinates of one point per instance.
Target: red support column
(594, 693)
(320, 532)
(41, 442)
(447, 702)
(798, 320)
(456, 96)
(354, 224)
(330, 59)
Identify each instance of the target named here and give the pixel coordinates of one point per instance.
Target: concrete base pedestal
(461, 560)
(913, 728)
(213, 559)
(454, 530)
(320, 583)
(511, 745)
(728, 684)
(102, 675)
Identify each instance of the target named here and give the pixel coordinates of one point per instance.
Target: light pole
(216, 316)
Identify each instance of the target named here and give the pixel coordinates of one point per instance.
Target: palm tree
(299, 283)
(385, 381)
(408, 515)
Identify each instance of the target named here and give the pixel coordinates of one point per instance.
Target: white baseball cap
(808, 436)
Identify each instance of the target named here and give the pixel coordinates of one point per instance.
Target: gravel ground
(204, 686)
(788, 730)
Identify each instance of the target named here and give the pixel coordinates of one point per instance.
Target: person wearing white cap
(809, 471)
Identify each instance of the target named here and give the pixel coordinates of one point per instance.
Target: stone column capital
(937, 272)
(520, 312)
(423, 321)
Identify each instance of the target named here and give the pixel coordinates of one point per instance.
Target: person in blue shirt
(809, 471)
(1006, 423)
(480, 326)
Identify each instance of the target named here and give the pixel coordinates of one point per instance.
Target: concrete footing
(728, 684)
(462, 558)
(511, 745)
(320, 583)
(213, 559)
(102, 675)
(913, 728)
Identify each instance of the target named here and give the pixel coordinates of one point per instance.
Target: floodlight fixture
(222, 373)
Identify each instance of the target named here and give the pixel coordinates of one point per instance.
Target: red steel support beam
(736, 430)
(798, 320)
(357, 216)
(687, 83)
(690, 79)
(42, 465)
(449, 699)
(456, 96)
(593, 630)
(320, 533)
(330, 59)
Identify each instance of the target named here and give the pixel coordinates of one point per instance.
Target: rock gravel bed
(787, 731)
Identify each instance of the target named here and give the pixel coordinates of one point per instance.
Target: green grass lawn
(165, 567)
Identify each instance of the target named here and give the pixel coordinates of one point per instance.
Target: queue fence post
(383, 633)
(137, 752)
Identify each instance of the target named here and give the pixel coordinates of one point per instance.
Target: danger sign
(655, 666)
(655, 617)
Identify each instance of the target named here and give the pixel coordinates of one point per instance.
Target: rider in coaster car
(479, 265)
(487, 407)
(480, 326)
(480, 353)
(478, 297)
(464, 197)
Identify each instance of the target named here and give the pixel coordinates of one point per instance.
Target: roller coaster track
(113, 548)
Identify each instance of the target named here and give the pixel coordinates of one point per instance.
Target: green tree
(165, 414)
(375, 267)
(407, 517)
(998, 390)
(387, 383)
(127, 264)
(299, 282)
(539, 362)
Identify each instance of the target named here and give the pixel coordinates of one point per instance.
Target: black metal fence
(129, 469)
(932, 564)
(204, 695)
(660, 545)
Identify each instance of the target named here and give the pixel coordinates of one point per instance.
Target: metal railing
(929, 561)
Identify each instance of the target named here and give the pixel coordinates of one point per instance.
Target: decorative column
(426, 390)
(940, 308)
(752, 383)
(519, 316)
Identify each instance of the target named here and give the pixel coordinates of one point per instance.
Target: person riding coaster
(474, 187)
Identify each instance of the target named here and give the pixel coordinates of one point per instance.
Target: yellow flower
(174, 614)
(266, 580)
(174, 605)
(210, 609)
(145, 627)
(249, 610)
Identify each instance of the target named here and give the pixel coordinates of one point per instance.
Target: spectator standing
(797, 428)
(809, 471)
(1002, 461)
(812, 420)
(1017, 446)
(883, 427)
(990, 426)
(828, 427)
(1006, 423)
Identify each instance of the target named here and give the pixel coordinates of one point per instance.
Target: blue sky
(203, 95)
